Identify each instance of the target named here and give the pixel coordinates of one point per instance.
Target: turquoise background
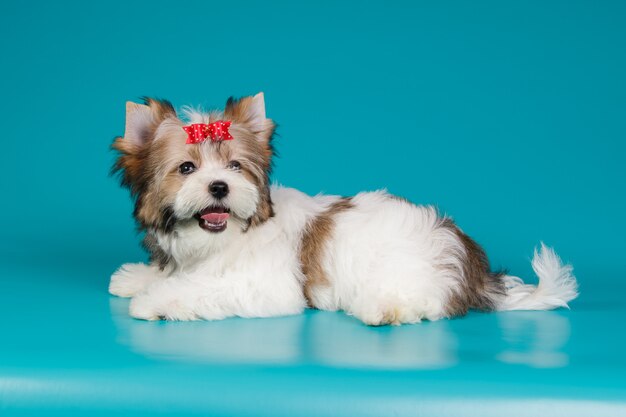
(510, 116)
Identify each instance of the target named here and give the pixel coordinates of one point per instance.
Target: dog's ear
(142, 121)
(257, 110)
(139, 123)
(250, 112)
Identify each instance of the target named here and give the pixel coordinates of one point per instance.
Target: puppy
(224, 242)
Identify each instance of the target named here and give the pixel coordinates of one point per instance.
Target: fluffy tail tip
(557, 284)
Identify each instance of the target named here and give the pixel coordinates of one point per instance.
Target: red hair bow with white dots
(216, 131)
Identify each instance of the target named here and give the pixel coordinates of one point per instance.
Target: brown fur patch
(480, 287)
(157, 255)
(162, 108)
(316, 234)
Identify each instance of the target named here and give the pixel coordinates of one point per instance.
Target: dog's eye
(234, 165)
(186, 168)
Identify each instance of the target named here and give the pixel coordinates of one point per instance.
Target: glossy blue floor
(70, 349)
(507, 115)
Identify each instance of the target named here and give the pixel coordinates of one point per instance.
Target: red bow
(199, 132)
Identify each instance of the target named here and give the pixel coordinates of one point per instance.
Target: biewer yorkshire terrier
(223, 242)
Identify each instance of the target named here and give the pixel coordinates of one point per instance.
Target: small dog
(224, 242)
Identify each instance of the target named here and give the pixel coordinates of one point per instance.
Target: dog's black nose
(218, 189)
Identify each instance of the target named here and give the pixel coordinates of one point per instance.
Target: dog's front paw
(131, 279)
(152, 307)
(142, 308)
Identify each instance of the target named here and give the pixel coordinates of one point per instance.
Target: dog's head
(209, 185)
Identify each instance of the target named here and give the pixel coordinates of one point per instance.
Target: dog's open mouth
(213, 218)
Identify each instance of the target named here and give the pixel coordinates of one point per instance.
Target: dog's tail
(557, 285)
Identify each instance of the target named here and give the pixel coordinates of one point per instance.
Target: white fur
(557, 285)
(131, 279)
(386, 260)
(234, 273)
(382, 260)
(193, 196)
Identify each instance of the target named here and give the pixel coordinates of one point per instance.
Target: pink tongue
(215, 217)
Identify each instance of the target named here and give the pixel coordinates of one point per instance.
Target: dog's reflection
(534, 338)
(227, 341)
(316, 337)
(339, 342)
(322, 338)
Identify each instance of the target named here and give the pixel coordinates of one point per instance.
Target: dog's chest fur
(279, 239)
